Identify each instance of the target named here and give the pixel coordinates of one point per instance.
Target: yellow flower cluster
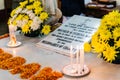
(106, 41)
(29, 16)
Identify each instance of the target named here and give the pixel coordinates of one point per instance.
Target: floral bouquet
(106, 41)
(30, 17)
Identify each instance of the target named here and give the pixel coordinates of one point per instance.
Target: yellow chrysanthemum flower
(20, 17)
(30, 16)
(30, 22)
(94, 39)
(22, 4)
(36, 3)
(117, 43)
(13, 13)
(26, 17)
(25, 29)
(30, 7)
(87, 47)
(9, 21)
(109, 54)
(98, 48)
(30, 0)
(105, 34)
(43, 16)
(106, 40)
(38, 10)
(112, 19)
(116, 32)
(14, 23)
(46, 29)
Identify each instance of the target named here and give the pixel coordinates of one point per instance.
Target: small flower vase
(33, 33)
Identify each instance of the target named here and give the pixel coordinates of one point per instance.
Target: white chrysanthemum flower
(31, 15)
(35, 26)
(36, 20)
(25, 21)
(18, 10)
(29, 11)
(19, 23)
(40, 21)
(27, 17)
(12, 19)
(24, 11)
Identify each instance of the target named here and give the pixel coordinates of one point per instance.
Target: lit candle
(81, 59)
(12, 34)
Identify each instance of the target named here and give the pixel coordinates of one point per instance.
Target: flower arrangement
(106, 40)
(30, 16)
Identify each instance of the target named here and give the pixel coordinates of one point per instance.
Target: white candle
(73, 68)
(77, 60)
(81, 59)
(77, 56)
(12, 34)
(71, 55)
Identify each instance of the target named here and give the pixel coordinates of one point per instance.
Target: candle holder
(10, 44)
(13, 42)
(78, 68)
(72, 70)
